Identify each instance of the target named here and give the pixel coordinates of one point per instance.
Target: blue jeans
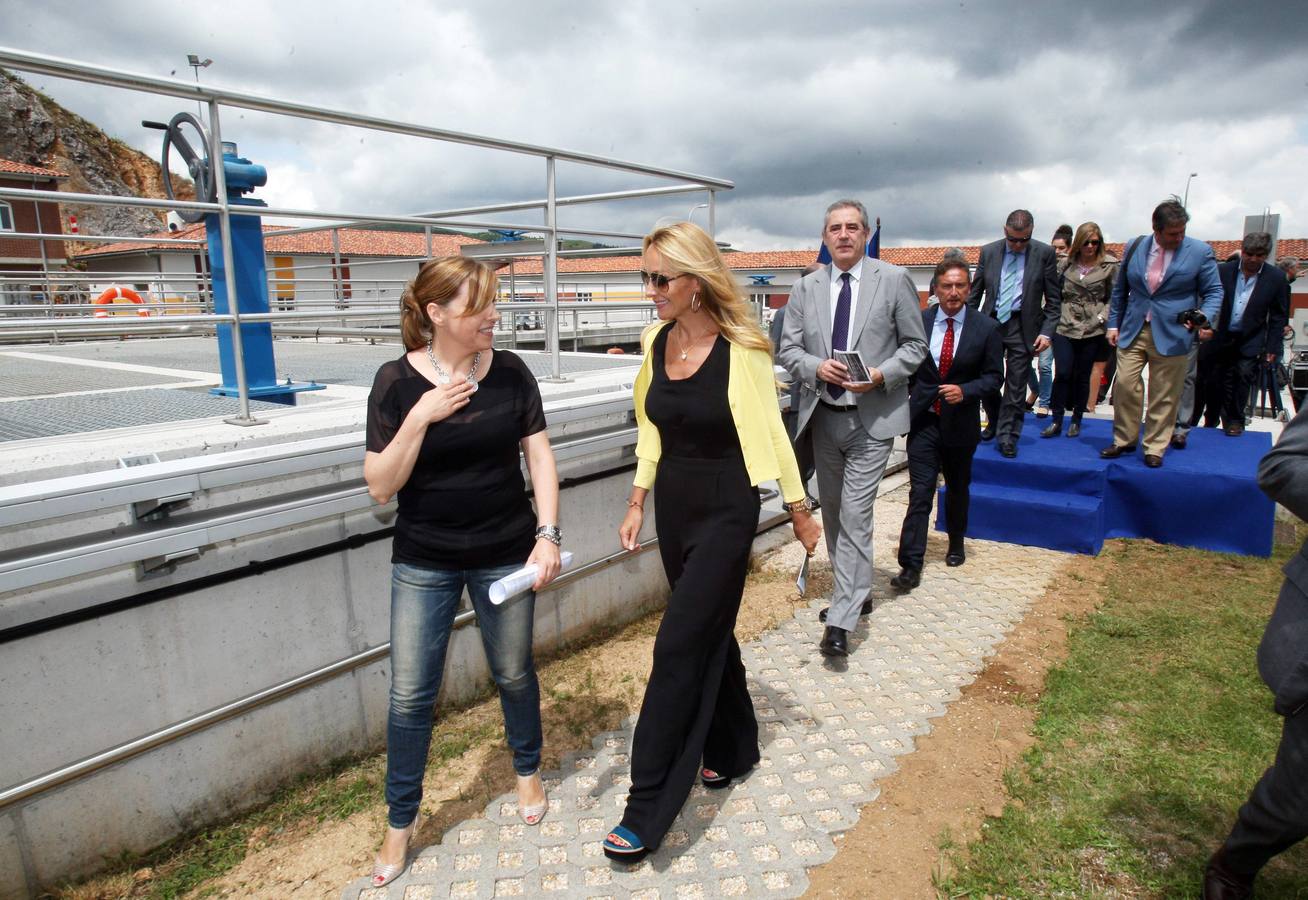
(423, 604)
(1041, 380)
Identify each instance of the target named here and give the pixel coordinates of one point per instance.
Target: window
(6, 216)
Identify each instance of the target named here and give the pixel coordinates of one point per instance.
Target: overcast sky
(941, 117)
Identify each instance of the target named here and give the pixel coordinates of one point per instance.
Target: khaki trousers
(1166, 382)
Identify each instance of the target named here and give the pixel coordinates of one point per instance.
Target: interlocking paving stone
(829, 731)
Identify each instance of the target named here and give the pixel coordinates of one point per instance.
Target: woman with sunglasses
(710, 432)
(445, 423)
(1079, 339)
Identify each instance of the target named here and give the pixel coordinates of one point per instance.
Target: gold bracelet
(632, 504)
(797, 506)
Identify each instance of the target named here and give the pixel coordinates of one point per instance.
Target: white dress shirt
(855, 276)
(938, 331)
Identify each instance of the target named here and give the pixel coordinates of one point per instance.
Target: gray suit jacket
(1042, 287)
(1283, 653)
(887, 331)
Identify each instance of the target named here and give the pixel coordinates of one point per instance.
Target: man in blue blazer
(1017, 284)
(1163, 275)
(964, 362)
(1255, 308)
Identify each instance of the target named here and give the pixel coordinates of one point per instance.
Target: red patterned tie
(946, 357)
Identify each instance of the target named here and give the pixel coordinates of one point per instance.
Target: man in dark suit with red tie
(965, 363)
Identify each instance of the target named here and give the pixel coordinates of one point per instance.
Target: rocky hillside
(36, 130)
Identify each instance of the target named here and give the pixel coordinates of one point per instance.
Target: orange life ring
(118, 293)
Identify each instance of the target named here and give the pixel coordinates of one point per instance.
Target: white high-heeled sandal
(533, 814)
(383, 874)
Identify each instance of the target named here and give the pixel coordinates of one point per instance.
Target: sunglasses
(658, 279)
(1018, 240)
(1092, 243)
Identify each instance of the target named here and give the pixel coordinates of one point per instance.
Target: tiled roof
(361, 242)
(10, 167)
(354, 242)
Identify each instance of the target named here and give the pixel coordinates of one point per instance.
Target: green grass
(1148, 738)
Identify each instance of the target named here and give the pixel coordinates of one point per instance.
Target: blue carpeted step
(1078, 472)
(1036, 518)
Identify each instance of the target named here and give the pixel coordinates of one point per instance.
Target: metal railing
(216, 99)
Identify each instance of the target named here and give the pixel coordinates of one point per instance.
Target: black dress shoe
(907, 579)
(834, 642)
(1074, 430)
(1008, 449)
(1053, 429)
(1220, 883)
(1178, 441)
(987, 433)
(1153, 462)
(1113, 451)
(863, 611)
(1235, 429)
(955, 557)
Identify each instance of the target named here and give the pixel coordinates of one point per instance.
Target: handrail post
(555, 324)
(219, 178)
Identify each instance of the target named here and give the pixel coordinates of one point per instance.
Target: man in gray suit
(1017, 284)
(862, 304)
(1275, 817)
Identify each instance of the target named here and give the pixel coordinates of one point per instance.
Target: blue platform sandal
(623, 845)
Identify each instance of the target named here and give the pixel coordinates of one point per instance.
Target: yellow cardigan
(752, 396)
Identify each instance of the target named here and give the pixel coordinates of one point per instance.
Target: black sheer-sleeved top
(465, 504)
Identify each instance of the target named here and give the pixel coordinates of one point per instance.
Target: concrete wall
(73, 691)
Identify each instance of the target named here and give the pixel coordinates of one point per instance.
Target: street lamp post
(194, 61)
(1185, 201)
(695, 207)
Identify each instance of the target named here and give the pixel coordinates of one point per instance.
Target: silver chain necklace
(444, 377)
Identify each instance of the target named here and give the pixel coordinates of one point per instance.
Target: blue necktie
(840, 328)
(1007, 290)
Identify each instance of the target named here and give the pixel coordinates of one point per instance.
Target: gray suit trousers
(850, 463)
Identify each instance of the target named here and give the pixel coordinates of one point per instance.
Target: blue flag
(874, 245)
(824, 257)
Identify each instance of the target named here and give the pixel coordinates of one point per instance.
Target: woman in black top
(710, 431)
(445, 423)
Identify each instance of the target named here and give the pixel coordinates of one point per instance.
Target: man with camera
(1166, 295)
(1255, 308)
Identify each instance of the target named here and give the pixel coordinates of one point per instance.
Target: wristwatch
(551, 533)
(798, 506)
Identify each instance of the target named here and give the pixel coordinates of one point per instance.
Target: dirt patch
(953, 780)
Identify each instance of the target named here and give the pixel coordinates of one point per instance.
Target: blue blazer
(1190, 281)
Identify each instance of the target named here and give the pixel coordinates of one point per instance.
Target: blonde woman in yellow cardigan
(710, 433)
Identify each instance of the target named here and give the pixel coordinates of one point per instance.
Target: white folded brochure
(516, 582)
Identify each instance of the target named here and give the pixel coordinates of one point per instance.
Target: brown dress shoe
(1178, 441)
(1152, 461)
(1113, 451)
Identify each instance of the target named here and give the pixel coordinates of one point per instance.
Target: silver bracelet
(550, 533)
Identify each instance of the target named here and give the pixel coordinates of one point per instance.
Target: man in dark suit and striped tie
(965, 363)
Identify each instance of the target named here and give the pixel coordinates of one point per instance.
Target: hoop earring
(695, 305)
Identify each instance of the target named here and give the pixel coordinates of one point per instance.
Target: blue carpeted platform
(1059, 494)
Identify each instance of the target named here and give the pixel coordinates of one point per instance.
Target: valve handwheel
(197, 164)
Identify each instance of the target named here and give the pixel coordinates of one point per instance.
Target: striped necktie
(1007, 290)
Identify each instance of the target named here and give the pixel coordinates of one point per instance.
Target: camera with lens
(1193, 318)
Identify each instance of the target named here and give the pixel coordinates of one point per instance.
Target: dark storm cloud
(941, 116)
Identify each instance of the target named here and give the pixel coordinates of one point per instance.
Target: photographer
(1255, 308)
(1163, 275)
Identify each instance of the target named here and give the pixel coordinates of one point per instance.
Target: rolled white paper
(516, 582)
